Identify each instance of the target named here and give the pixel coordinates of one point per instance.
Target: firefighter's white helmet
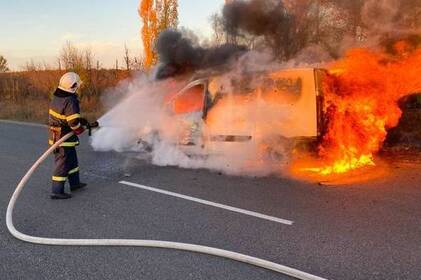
(70, 82)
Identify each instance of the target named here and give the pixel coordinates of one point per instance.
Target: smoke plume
(269, 19)
(178, 54)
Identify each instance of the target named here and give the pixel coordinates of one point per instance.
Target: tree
(127, 59)
(3, 64)
(71, 58)
(148, 15)
(156, 15)
(219, 34)
(167, 11)
(88, 59)
(294, 25)
(81, 61)
(31, 66)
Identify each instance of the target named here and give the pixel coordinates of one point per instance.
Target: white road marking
(210, 203)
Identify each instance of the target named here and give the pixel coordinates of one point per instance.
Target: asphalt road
(364, 231)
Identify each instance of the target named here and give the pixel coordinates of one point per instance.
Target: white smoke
(137, 113)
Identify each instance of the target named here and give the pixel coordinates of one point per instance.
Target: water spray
(135, 242)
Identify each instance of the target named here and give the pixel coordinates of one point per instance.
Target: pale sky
(37, 29)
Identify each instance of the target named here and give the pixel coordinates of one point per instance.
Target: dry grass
(25, 96)
(24, 111)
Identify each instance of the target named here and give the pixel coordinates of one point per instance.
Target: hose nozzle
(92, 125)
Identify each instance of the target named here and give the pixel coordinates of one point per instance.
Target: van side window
(192, 100)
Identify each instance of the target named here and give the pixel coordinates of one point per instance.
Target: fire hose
(136, 242)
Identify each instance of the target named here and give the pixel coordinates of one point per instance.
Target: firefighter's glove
(79, 131)
(92, 125)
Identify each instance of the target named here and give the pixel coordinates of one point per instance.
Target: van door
(187, 107)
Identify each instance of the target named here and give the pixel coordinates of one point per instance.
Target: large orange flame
(361, 97)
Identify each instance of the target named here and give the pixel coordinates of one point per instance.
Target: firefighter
(64, 117)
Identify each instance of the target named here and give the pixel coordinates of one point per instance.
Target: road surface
(368, 230)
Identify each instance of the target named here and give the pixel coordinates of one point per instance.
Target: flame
(191, 101)
(361, 94)
(361, 101)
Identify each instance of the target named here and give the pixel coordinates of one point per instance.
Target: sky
(38, 29)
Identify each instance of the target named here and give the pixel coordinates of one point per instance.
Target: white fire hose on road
(136, 242)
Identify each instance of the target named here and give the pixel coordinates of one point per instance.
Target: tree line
(24, 95)
(324, 23)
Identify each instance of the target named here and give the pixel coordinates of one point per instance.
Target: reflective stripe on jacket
(64, 116)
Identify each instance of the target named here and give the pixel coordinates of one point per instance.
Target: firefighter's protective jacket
(64, 116)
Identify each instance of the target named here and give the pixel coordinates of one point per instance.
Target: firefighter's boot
(60, 196)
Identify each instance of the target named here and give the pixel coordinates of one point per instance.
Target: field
(24, 96)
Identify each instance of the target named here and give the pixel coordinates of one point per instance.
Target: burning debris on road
(235, 108)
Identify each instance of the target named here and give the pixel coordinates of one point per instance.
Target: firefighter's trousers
(66, 168)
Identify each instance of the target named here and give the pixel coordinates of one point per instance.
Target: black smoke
(241, 20)
(178, 54)
(268, 19)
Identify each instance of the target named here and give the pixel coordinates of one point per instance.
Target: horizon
(36, 31)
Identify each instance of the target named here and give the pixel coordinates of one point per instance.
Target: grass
(36, 111)
(25, 96)
(24, 111)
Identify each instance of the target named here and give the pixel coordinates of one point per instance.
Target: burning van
(253, 109)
